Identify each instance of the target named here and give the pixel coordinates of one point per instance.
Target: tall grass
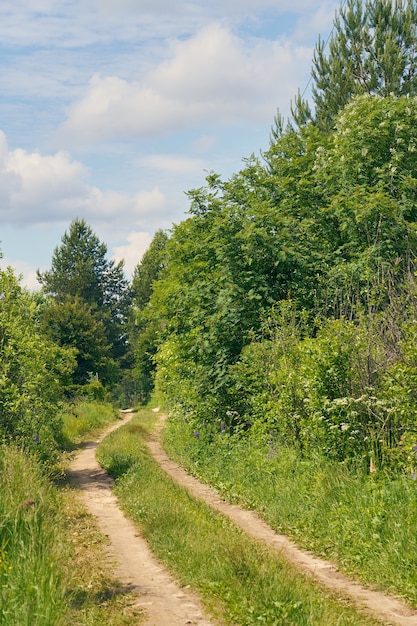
(81, 418)
(32, 555)
(54, 570)
(366, 523)
(237, 577)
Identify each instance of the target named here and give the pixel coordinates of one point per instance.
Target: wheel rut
(391, 610)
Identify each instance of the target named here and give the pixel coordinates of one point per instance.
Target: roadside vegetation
(363, 523)
(53, 566)
(240, 581)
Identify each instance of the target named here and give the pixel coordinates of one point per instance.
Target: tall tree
(145, 326)
(75, 324)
(149, 269)
(372, 49)
(81, 272)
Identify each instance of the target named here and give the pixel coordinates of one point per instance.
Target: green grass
(83, 419)
(32, 556)
(239, 579)
(53, 567)
(364, 523)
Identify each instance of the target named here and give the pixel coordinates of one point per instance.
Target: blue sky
(110, 110)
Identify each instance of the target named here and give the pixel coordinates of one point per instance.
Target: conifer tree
(372, 50)
(80, 272)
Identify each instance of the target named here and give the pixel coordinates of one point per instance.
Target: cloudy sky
(110, 110)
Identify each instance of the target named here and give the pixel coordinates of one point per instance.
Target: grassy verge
(237, 577)
(365, 523)
(32, 581)
(54, 570)
(85, 419)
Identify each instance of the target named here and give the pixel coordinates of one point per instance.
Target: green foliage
(33, 371)
(92, 290)
(73, 323)
(144, 327)
(327, 222)
(149, 269)
(371, 50)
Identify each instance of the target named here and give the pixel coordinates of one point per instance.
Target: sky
(111, 110)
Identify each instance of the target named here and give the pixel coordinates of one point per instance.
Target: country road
(164, 602)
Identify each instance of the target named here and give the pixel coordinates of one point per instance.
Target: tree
(75, 324)
(372, 50)
(149, 269)
(32, 372)
(326, 221)
(81, 273)
(145, 326)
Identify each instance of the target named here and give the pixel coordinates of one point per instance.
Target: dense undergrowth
(363, 522)
(239, 580)
(53, 569)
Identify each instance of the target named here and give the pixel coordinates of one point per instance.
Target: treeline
(286, 302)
(66, 341)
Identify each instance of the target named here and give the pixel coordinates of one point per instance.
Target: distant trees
(90, 300)
(145, 336)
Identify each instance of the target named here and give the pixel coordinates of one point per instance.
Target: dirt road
(167, 604)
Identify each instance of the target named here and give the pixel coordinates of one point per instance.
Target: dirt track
(165, 603)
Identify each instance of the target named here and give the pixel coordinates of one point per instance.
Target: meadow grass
(54, 570)
(365, 523)
(238, 578)
(32, 556)
(83, 419)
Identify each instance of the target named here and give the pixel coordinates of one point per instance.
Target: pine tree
(80, 272)
(372, 50)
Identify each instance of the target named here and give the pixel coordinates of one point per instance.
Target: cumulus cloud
(133, 251)
(211, 78)
(40, 189)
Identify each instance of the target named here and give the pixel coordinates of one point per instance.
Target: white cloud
(212, 78)
(204, 143)
(37, 189)
(172, 163)
(133, 251)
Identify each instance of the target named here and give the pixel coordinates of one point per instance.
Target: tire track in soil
(165, 603)
(390, 609)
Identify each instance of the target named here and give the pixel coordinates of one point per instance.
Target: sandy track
(165, 603)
